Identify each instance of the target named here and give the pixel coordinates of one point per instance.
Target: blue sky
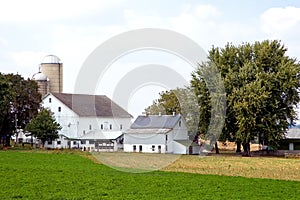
(31, 29)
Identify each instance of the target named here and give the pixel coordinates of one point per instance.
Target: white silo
(52, 67)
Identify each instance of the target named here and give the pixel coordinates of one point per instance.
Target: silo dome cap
(52, 59)
(40, 77)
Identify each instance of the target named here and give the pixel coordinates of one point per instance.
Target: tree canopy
(44, 126)
(179, 100)
(20, 101)
(261, 84)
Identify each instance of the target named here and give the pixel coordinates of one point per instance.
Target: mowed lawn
(33, 175)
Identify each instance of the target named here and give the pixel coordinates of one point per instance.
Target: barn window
(121, 127)
(153, 147)
(90, 127)
(58, 142)
(101, 126)
(74, 142)
(110, 126)
(59, 109)
(179, 123)
(159, 149)
(91, 141)
(50, 100)
(83, 132)
(166, 137)
(140, 148)
(134, 148)
(106, 126)
(49, 142)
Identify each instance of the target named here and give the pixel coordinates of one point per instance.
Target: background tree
(24, 102)
(5, 94)
(181, 101)
(44, 126)
(261, 84)
(208, 86)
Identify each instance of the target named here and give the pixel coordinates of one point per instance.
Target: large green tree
(44, 126)
(261, 84)
(21, 103)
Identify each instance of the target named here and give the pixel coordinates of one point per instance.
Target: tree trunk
(238, 147)
(7, 141)
(217, 148)
(246, 147)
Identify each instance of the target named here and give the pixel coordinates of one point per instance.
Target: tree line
(261, 84)
(20, 110)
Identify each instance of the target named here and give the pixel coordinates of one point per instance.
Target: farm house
(159, 134)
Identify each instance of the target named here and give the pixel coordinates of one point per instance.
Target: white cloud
(280, 21)
(28, 61)
(206, 11)
(137, 20)
(283, 24)
(36, 10)
(205, 25)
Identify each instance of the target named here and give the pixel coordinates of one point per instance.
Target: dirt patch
(231, 146)
(252, 167)
(135, 162)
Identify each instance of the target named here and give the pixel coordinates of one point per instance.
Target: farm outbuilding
(291, 141)
(158, 134)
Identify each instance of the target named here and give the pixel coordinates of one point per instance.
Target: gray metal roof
(293, 133)
(155, 122)
(148, 131)
(101, 135)
(187, 143)
(92, 105)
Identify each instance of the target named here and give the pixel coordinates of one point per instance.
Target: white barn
(158, 134)
(87, 121)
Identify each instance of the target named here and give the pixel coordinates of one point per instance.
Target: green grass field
(33, 175)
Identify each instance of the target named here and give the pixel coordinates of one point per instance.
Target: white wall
(141, 138)
(180, 131)
(87, 124)
(146, 148)
(66, 117)
(179, 148)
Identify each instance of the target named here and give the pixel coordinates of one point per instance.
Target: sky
(72, 30)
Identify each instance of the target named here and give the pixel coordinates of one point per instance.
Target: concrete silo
(52, 67)
(42, 81)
